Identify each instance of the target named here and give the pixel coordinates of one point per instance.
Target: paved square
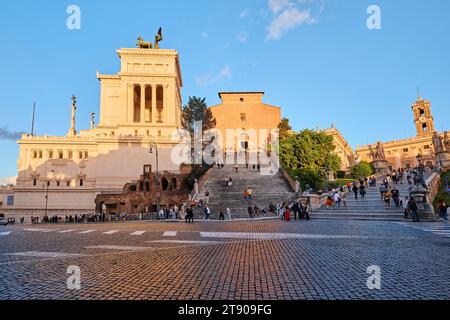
(270, 259)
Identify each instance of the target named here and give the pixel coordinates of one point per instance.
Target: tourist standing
(344, 199)
(221, 215)
(296, 210)
(236, 168)
(228, 214)
(287, 214)
(336, 201)
(405, 207)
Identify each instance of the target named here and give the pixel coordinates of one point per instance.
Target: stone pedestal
(425, 209)
(443, 159)
(381, 166)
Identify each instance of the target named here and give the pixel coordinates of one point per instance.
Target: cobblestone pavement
(272, 259)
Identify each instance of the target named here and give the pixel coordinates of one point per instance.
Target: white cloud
(204, 35)
(287, 20)
(224, 74)
(277, 5)
(7, 181)
(244, 13)
(242, 36)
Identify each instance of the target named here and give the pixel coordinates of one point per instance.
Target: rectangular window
(50, 154)
(35, 154)
(10, 200)
(70, 155)
(60, 155)
(34, 182)
(81, 182)
(68, 183)
(426, 147)
(40, 154)
(405, 150)
(86, 154)
(58, 183)
(80, 155)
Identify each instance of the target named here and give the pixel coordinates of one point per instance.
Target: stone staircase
(372, 207)
(266, 189)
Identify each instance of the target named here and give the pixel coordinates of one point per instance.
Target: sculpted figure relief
(437, 143)
(446, 141)
(378, 152)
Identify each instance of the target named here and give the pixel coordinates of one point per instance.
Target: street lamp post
(154, 145)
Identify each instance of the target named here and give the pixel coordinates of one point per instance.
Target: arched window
(164, 184)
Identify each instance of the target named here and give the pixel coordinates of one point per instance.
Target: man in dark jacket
(296, 209)
(412, 207)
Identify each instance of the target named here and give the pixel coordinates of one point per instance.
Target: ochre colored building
(248, 120)
(403, 153)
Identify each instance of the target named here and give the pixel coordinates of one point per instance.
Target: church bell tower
(423, 119)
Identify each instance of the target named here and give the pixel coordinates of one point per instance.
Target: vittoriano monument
(379, 162)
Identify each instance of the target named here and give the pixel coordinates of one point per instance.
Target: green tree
(309, 150)
(285, 128)
(362, 169)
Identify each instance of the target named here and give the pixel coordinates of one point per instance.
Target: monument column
(142, 103)
(130, 103)
(154, 97)
(166, 118)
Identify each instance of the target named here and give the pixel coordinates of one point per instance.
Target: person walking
(221, 215)
(250, 211)
(250, 194)
(405, 207)
(396, 196)
(387, 199)
(207, 196)
(355, 190)
(412, 207)
(287, 214)
(305, 210)
(344, 199)
(207, 213)
(382, 191)
(336, 201)
(228, 214)
(245, 195)
(362, 191)
(296, 210)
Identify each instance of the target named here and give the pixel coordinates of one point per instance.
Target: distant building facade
(403, 153)
(248, 117)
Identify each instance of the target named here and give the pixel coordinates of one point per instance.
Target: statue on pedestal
(437, 143)
(446, 142)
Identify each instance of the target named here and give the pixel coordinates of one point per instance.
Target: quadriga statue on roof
(141, 44)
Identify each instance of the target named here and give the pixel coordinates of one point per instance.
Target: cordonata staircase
(266, 189)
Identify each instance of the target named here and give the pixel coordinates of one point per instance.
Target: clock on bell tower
(423, 119)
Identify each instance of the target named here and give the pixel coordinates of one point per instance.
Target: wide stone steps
(266, 190)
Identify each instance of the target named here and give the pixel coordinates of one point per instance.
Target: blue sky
(315, 58)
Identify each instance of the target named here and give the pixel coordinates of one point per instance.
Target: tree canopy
(309, 150)
(285, 129)
(362, 169)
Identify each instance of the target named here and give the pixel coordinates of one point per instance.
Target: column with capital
(142, 103)
(130, 103)
(154, 110)
(167, 115)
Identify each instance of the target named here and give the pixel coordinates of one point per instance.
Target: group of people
(300, 209)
